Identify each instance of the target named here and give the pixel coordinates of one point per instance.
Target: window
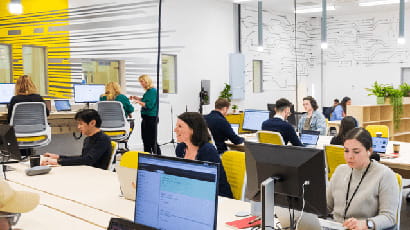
(101, 71)
(5, 64)
(169, 73)
(35, 65)
(257, 76)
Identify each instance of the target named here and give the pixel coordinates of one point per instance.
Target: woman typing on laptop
(362, 194)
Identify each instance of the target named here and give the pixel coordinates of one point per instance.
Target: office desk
(82, 197)
(401, 164)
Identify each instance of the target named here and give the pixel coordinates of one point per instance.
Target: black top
(208, 152)
(221, 131)
(96, 152)
(284, 128)
(337, 140)
(23, 98)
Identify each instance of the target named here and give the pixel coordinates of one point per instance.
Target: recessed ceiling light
(378, 2)
(313, 9)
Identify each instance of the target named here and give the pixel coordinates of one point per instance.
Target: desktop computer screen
(253, 119)
(8, 144)
(175, 193)
(88, 93)
(7, 92)
(380, 144)
(293, 166)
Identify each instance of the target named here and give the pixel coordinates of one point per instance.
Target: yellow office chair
(270, 137)
(400, 182)
(111, 163)
(130, 159)
(234, 165)
(384, 129)
(334, 157)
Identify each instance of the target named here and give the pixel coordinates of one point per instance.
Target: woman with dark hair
(363, 194)
(193, 143)
(348, 123)
(312, 119)
(340, 110)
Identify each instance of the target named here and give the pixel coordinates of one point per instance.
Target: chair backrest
(130, 159)
(270, 137)
(114, 147)
(373, 129)
(334, 157)
(400, 182)
(112, 114)
(234, 165)
(29, 117)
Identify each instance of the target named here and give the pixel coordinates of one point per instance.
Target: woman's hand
(355, 224)
(51, 155)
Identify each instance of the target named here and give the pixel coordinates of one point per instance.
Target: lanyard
(354, 193)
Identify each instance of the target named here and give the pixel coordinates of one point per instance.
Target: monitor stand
(268, 203)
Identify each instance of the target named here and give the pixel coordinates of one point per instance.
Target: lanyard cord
(348, 202)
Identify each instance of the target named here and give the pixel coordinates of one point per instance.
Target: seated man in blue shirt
(96, 150)
(279, 124)
(220, 128)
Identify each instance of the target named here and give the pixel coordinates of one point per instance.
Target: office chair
(270, 137)
(334, 157)
(234, 165)
(29, 120)
(112, 162)
(114, 123)
(373, 129)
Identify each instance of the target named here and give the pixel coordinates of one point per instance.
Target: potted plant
(396, 100)
(380, 91)
(234, 108)
(226, 92)
(405, 89)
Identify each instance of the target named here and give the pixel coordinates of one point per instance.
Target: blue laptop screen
(176, 194)
(380, 144)
(62, 105)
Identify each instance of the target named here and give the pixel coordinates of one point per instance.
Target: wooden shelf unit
(382, 115)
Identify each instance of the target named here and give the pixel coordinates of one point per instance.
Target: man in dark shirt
(96, 150)
(220, 128)
(279, 124)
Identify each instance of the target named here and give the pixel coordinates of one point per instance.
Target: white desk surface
(82, 197)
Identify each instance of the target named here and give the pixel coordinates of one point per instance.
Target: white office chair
(29, 120)
(114, 122)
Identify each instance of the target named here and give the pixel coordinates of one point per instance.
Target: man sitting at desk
(96, 150)
(279, 124)
(219, 126)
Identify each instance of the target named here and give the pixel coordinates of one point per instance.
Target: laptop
(62, 105)
(127, 178)
(309, 137)
(235, 128)
(308, 221)
(124, 224)
(380, 144)
(174, 193)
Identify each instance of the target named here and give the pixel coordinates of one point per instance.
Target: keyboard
(330, 225)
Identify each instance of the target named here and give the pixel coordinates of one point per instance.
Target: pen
(254, 220)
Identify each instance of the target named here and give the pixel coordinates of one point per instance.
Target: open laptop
(309, 137)
(127, 178)
(235, 128)
(174, 193)
(123, 224)
(62, 105)
(380, 144)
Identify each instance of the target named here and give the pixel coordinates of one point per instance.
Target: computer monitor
(379, 144)
(292, 119)
(293, 166)
(9, 149)
(253, 119)
(62, 105)
(175, 193)
(84, 93)
(7, 92)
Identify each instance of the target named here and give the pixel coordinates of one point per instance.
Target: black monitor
(292, 119)
(9, 149)
(7, 92)
(293, 166)
(253, 119)
(84, 93)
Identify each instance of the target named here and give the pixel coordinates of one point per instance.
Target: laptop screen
(235, 128)
(309, 137)
(62, 105)
(380, 144)
(174, 193)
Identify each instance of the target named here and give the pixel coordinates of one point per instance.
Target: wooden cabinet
(382, 115)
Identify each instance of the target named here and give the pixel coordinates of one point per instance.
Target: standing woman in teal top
(149, 115)
(113, 93)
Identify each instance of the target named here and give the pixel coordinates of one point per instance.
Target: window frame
(260, 77)
(45, 65)
(175, 57)
(10, 55)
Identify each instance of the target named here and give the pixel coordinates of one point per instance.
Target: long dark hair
(348, 123)
(196, 122)
(343, 103)
(361, 135)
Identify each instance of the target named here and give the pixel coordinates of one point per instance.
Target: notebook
(175, 193)
(235, 128)
(123, 224)
(309, 137)
(62, 105)
(380, 144)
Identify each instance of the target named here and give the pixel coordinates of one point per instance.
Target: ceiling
(343, 7)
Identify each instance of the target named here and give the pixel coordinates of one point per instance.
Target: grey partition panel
(237, 75)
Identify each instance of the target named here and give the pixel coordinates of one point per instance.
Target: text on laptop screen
(253, 119)
(380, 144)
(62, 105)
(308, 139)
(176, 194)
(88, 93)
(7, 92)
(235, 128)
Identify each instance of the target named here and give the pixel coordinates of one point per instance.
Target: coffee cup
(379, 134)
(396, 148)
(34, 161)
